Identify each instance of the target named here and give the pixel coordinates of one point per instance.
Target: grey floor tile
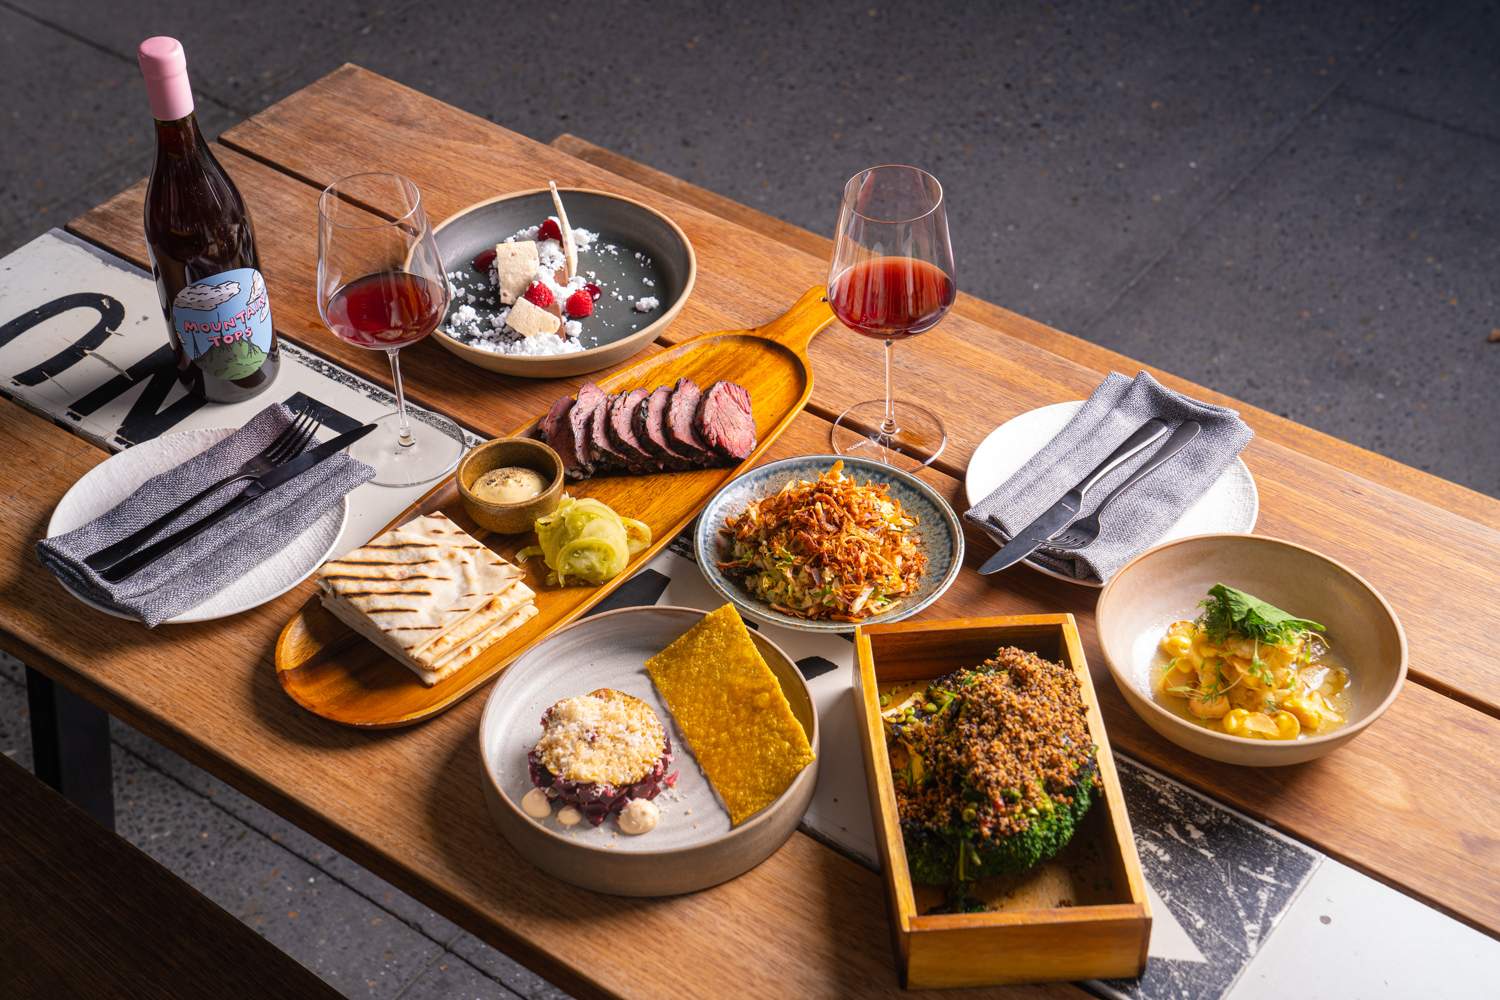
(354, 945)
(451, 978)
(238, 53)
(501, 967)
(78, 128)
(288, 836)
(15, 718)
(12, 668)
(1349, 284)
(95, 190)
(59, 140)
(1076, 142)
(1445, 65)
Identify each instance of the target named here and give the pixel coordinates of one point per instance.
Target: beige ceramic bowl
(694, 846)
(1165, 584)
(510, 518)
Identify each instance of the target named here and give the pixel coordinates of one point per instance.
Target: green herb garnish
(1229, 612)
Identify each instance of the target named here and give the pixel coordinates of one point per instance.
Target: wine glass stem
(888, 426)
(404, 438)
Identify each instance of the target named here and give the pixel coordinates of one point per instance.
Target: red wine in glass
(386, 310)
(381, 286)
(891, 298)
(891, 278)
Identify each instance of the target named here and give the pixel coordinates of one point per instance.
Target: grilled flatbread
(429, 670)
(428, 593)
(419, 580)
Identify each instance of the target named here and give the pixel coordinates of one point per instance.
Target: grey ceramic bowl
(694, 846)
(1164, 584)
(619, 330)
(940, 535)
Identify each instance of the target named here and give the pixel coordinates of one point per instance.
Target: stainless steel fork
(287, 445)
(1086, 530)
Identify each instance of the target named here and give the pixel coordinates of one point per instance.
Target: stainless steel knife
(142, 558)
(1057, 517)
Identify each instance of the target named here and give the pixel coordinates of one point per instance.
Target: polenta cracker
(731, 710)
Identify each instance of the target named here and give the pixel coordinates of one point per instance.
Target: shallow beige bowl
(694, 847)
(1165, 584)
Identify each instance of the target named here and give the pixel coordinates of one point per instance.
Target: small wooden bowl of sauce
(507, 483)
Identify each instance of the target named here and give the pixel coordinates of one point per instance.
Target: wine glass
(381, 286)
(892, 277)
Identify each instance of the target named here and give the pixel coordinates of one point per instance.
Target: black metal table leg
(70, 747)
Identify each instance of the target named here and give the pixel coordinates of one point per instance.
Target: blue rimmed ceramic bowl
(938, 534)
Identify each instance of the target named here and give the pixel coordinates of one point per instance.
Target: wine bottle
(202, 246)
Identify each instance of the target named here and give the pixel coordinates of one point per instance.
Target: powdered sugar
(477, 319)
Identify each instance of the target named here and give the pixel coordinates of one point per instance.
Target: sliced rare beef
(682, 412)
(556, 428)
(605, 454)
(621, 426)
(725, 422)
(581, 421)
(651, 428)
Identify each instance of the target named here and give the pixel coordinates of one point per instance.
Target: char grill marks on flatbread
(425, 591)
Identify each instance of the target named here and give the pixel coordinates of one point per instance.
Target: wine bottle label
(224, 323)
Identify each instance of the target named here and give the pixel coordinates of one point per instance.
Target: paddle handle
(795, 328)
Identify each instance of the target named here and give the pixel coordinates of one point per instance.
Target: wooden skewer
(570, 249)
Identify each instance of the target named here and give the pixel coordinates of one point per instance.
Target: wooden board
(405, 803)
(330, 671)
(974, 374)
(87, 914)
(1080, 915)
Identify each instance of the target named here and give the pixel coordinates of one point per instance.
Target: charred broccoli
(994, 769)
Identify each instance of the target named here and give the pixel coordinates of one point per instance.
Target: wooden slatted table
(1415, 802)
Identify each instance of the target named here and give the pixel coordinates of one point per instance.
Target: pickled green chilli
(584, 541)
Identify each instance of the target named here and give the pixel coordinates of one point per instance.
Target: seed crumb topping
(605, 736)
(992, 747)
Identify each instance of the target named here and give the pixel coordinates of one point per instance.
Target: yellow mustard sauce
(511, 484)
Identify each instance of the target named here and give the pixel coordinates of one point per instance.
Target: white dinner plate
(1230, 504)
(120, 475)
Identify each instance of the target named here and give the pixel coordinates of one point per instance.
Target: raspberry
(549, 230)
(594, 290)
(484, 261)
(579, 304)
(538, 295)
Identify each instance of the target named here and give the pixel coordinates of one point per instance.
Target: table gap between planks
(420, 820)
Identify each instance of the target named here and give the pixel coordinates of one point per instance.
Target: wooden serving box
(1081, 915)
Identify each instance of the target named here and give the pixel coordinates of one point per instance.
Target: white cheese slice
(515, 266)
(531, 320)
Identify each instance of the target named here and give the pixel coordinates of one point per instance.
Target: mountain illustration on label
(224, 322)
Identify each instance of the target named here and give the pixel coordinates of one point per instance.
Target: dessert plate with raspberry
(555, 282)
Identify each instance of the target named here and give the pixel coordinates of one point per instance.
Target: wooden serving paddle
(330, 671)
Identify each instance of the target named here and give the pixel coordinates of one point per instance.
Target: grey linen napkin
(185, 577)
(1135, 521)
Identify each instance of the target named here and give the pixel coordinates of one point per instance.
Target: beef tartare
(600, 750)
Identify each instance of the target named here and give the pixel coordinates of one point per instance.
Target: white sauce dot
(568, 816)
(536, 804)
(639, 816)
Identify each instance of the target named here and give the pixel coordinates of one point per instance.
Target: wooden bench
(84, 913)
